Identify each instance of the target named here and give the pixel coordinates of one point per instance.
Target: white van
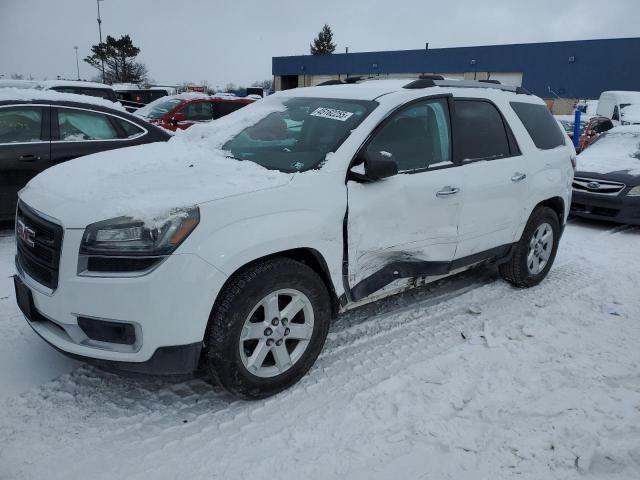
(611, 104)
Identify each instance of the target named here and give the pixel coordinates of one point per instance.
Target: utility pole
(77, 64)
(100, 33)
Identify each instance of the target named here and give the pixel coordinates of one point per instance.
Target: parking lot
(468, 378)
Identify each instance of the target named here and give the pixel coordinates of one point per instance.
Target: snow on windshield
(631, 113)
(617, 150)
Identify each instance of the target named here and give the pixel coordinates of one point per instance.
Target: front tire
(267, 328)
(535, 252)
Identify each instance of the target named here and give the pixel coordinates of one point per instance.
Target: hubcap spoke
(293, 308)
(300, 331)
(281, 356)
(271, 308)
(251, 331)
(255, 361)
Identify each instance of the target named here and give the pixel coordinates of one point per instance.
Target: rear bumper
(618, 208)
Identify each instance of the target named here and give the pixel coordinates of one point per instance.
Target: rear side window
(79, 125)
(481, 133)
(225, 108)
(540, 124)
(130, 130)
(20, 124)
(199, 111)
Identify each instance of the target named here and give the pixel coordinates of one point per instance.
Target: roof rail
(488, 80)
(330, 82)
(430, 77)
(426, 83)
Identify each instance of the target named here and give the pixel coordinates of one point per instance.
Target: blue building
(574, 69)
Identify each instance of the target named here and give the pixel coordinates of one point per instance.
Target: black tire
(515, 271)
(240, 295)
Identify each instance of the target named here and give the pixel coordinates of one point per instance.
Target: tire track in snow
(148, 417)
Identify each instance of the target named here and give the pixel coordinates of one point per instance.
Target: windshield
(298, 137)
(158, 108)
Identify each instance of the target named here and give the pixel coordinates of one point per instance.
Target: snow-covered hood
(146, 182)
(615, 152)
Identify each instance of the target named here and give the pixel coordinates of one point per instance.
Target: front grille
(594, 185)
(39, 243)
(591, 210)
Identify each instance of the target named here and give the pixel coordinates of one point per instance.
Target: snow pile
(468, 379)
(31, 94)
(617, 150)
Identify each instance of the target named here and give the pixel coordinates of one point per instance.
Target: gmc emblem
(26, 234)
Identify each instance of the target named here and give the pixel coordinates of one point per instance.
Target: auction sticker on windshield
(331, 113)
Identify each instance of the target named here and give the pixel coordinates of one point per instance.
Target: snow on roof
(8, 82)
(46, 84)
(370, 89)
(617, 150)
(30, 95)
(125, 86)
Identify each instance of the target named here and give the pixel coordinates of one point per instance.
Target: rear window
(540, 124)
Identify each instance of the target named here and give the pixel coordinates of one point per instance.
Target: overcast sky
(217, 41)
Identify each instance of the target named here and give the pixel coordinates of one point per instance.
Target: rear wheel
(267, 328)
(535, 252)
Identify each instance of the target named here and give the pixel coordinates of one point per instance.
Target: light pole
(100, 33)
(77, 64)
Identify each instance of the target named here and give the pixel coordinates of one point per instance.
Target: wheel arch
(557, 205)
(307, 256)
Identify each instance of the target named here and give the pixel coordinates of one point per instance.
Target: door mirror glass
(178, 117)
(379, 165)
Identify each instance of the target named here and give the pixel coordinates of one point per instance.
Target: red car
(597, 125)
(181, 111)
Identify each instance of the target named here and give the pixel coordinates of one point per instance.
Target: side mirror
(377, 166)
(178, 117)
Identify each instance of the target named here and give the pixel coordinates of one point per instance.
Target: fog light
(106, 331)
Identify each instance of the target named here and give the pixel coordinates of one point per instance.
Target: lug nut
(269, 342)
(275, 322)
(267, 331)
(279, 342)
(285, 321)
(286, 331)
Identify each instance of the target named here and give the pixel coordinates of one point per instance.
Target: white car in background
(232, 246)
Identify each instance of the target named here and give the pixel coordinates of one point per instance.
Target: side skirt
(416, 269)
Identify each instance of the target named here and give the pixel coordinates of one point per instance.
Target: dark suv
(37, 134)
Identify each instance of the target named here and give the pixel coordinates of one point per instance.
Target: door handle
(28, 158)
(518, 177)
(447, 191)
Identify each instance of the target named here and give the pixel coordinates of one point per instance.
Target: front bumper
(614, 208)
(169, 308)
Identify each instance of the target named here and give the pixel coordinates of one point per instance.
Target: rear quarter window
(540, 124)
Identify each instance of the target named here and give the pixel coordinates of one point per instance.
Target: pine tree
(119, 60)
(323, 44)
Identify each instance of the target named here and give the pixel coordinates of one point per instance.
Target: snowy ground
(467, 379)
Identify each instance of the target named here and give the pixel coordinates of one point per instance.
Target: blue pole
(576, 128)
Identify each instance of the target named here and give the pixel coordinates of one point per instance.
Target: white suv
(231, 247)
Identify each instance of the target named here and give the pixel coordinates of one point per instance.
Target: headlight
(125, 244)
(634, 192)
